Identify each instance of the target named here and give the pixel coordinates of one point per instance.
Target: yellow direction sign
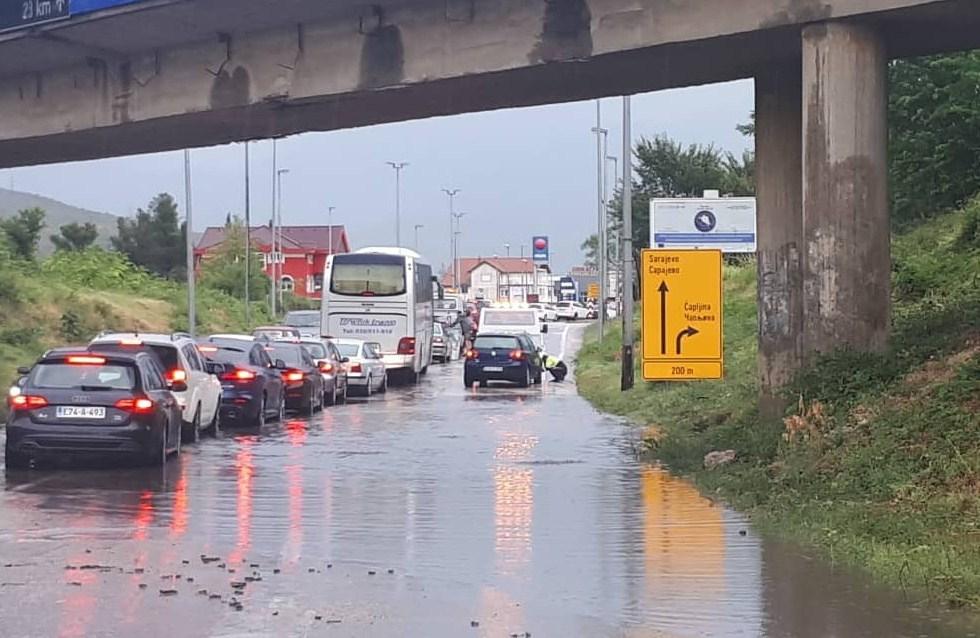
(592, 292)
(682, 315)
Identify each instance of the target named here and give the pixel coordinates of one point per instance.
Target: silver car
(365, 366)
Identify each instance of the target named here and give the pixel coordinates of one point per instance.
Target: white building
(499, 279)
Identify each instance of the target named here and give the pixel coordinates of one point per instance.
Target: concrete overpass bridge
(96, 78)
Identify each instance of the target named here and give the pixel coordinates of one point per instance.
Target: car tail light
(177, 374)
(26, 402)
(326, 367)
(355, 367)
(406, 345)
(436, 339)
(135, 405)
(86, 360)
(131, 342)
(207, 349)
(472, 354)
(293, 375)
(238, 375)
(517, 355)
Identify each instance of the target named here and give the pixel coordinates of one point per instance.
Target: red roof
(294, 238)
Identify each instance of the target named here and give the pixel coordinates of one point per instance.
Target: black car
(503, 357)
(302, 378)
(333, 369)
(251, 384)
(82, 403)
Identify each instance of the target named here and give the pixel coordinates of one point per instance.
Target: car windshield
(316, 350)
(289, 353)
(276, 333)
(509, 318)
(226, 355)
(67, 375)
(496, 343)
(368, 275)
(167, 355)
(303, 319)
(564, 304)
(348, 349)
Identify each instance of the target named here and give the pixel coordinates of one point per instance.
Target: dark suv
(83, 403)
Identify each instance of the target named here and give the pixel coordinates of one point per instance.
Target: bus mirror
(544, 328)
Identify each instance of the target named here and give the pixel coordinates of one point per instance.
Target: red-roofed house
(305, 250)
(502, 279)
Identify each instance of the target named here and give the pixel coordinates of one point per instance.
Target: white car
(513, 321)
(547, 312)
(177, 353)
(365, 366)
(571, 311)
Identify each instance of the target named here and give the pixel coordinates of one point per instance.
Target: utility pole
(189, 247)
(600, 136)
(626, 258)
(456, 272)
(417, 227)
(281, 257)
(272, 254)
(452, 193)
(398, 166)
(507, 249)
(248, 243)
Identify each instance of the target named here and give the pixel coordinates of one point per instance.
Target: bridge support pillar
(779, 194)
(846, 258)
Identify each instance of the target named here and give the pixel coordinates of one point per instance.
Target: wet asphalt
(430, 511)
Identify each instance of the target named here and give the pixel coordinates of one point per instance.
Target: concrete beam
(847, 266)
(779, 195)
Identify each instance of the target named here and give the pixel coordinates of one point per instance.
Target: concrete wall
(85, 90)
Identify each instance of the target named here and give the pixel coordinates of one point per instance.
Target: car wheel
(259, 419)
(192, 433)
(384, 383)
(333, 394)
(159, 456)
(215, 427)
(526, 381)
(343, 397)
(281, 416)
(537, 378)
(16, 460)
(311, 405)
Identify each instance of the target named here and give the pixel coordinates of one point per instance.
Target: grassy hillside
(57, 214)
(69, 297)
(878, 464)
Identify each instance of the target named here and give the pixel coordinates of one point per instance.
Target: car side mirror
(21, 382)
(345, 360)
(280, 364)
(544, 328)
(177, 386)
(213, 367)
(24, 370)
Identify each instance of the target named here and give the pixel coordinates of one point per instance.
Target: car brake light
(472, 354)
(238, 375)
(85, 360)
(517, 355)
(326, 367)
(177, 374)
(406, 345)
(135, 406)
(131, 342)
(355, 367)
(26, 402)
(294, 375)
(207, 349)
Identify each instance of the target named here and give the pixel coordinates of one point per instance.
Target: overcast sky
(521, 172)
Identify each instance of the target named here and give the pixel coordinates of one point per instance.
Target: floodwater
(430, 511)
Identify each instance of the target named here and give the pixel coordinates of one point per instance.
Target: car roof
(230, 336)
(502, 334)
(276, 327)
(62, 352)
(153, 338)
(351, 342)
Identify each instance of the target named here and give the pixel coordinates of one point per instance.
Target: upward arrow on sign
(663, 316)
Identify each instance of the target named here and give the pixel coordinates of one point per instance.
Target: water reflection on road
(432, 511)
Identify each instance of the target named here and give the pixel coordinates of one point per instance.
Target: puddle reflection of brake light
(135, 406)
(176, 375)
(238, 375)
(85, 360)
(26, 402)
(293, 376)
(406, 345)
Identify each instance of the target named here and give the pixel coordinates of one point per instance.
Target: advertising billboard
(727, 224)
(539, 249)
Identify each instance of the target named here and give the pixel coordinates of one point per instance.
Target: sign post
(682, 315)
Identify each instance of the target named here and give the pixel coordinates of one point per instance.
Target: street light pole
(613, 259)
(626, 382)
(600, 136)
(452, 193)
(398, 166)
(279, 259)
(272, 254)
(189, 247)
(248, 242)
(456, 272)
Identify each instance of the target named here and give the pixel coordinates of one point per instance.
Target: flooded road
(429, 511)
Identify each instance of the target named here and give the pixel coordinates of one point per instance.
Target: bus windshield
(368, 275)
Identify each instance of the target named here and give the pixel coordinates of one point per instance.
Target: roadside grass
(877, 464)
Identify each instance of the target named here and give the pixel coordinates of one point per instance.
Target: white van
(503, 320)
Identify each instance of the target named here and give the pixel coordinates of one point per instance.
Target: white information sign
(727, 224)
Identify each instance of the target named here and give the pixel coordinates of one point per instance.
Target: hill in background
(57, 214)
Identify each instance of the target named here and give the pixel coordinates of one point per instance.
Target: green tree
(154, 240)
(224, 269)
(934, 136)
(75, 236)
(23, 232)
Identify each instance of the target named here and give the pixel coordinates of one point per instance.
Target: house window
(317, 282)
(286, 284)
(485, 276)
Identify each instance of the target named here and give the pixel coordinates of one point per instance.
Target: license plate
(76, 412)
(492, 369)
